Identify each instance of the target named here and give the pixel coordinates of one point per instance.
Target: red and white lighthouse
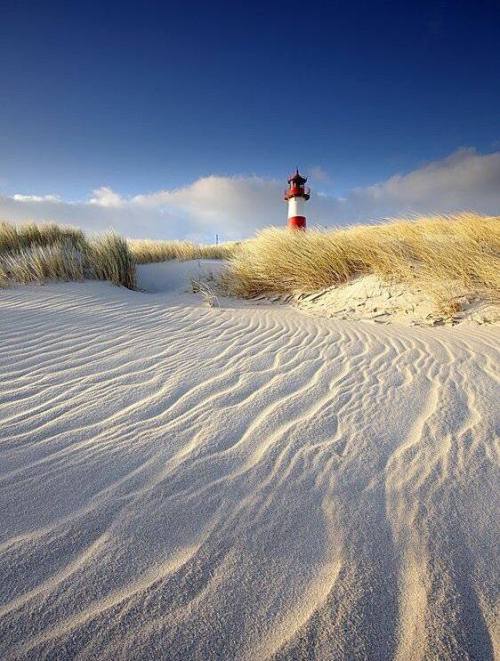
(296, 195)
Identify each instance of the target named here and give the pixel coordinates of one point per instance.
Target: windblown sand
(369, 298)
(241, 482)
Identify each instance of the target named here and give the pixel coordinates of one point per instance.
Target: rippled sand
(242, 482)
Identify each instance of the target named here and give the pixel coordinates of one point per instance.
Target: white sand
(368, 298)
(241, 482)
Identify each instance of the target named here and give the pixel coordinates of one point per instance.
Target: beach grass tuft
(445, 256)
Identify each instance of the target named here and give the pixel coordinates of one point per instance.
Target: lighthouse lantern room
(296, 195)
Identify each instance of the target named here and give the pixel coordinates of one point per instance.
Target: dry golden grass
(40, 253)
(109, 258)
(147, 251)
(37, 253)
(20, 237)
(445, 256)
(39, 264)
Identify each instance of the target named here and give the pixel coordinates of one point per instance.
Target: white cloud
(105, 197)
(234, 207)
(240, 204)
(36, 198)
(464, 180)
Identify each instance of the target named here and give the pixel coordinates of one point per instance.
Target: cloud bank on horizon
(235, 207)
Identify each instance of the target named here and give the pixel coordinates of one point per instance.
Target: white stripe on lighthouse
(296, 207)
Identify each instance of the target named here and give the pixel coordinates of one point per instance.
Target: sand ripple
(180, 482)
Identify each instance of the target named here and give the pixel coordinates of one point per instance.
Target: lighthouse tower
(296, 195)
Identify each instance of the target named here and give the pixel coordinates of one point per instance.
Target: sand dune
(242, 482)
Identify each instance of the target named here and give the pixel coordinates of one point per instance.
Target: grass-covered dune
(445, 256)
(148, 251)
(45, 252)
(39, 253)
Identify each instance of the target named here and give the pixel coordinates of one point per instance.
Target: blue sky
(154, 96)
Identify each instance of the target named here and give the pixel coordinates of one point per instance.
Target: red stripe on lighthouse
(297, 222)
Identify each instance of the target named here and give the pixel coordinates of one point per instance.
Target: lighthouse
(296, 195)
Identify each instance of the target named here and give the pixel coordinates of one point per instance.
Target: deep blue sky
(149, 95)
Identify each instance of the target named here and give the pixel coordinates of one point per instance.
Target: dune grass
(147, 251)
(40, 253)
(447, 257)
(43, 252)
(109, 258)
(20, 237)
(59, 261)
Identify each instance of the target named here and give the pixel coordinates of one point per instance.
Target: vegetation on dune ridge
(44, 252)
(109, 258)
(40, 253)
(24, 237)
(147, 251)
(447, 257)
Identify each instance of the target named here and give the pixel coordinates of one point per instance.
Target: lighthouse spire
(296, 195)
